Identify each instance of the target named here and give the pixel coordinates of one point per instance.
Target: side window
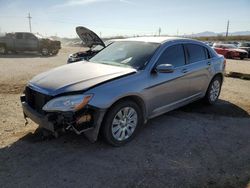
(209, 54)
(195, 53)
(173, 55)
(29, 36)
(19, 36)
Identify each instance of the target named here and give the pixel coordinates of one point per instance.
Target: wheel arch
(137, 99)
(220, 75)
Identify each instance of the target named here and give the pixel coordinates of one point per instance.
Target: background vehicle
(209, 43)
(245, 46)
(124, 85)
(235, 43)
(89, 40)
(86, 55)
(230, 51)
(23, 41)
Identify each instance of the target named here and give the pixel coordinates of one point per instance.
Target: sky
(124, 17)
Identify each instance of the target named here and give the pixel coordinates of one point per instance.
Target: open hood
(88, 37)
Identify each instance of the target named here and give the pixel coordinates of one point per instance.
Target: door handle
(184, 70)
(209, 63)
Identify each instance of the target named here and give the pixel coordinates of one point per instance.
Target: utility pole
(227, 28)
(159, 31)
(29, 17)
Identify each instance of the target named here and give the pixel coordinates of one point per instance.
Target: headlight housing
(67, 103)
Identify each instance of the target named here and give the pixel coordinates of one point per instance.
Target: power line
(159, 31)
(29, 17)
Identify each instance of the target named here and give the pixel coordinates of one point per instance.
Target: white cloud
(79, 2)
(86, 2)
(127, 2)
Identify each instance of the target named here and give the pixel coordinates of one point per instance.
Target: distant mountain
(241, 33)
(204, 34)
(211, 34)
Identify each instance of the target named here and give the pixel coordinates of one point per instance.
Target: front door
(168, 90)
(31, 42)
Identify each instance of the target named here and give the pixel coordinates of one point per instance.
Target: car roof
(159, 40)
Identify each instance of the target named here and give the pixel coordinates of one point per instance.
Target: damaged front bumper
(87, 120)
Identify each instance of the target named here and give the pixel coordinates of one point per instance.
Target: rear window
(209, 54)
(29, 36)
(19, 36)
(195, 53)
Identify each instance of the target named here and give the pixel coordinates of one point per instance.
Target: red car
(230, 51)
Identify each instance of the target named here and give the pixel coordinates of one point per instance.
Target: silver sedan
(123, 86)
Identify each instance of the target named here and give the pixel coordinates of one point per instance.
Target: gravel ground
(236, 65)
(194, 146)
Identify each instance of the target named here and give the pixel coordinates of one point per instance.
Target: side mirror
(164, 68)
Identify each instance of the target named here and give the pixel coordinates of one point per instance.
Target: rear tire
(122, 123)
(242, 57)
(213, 91)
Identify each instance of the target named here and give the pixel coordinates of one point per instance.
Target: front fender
(108, 93)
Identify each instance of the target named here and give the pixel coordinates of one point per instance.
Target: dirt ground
(194, 146)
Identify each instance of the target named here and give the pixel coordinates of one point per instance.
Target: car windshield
(126, 53)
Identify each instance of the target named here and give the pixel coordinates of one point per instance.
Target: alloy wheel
(124, 123)
(215, 90)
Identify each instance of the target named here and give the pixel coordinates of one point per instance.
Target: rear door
(198, 67)
(20, 42)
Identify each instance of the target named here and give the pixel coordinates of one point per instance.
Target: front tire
(122, 123)
(213, 91)
(45, 51)
(55, 52)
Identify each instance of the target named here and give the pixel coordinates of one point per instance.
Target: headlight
(67, 103)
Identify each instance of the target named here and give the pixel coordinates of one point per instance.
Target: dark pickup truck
(24, 41)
